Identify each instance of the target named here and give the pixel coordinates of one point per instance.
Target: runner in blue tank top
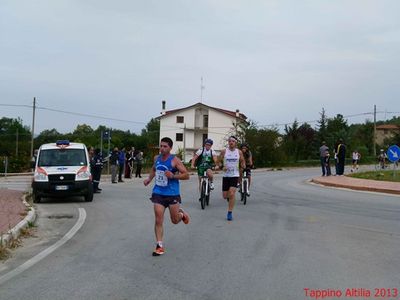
(167, 171)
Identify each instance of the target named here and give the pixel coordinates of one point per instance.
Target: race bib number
(161, 178)
(230, 171)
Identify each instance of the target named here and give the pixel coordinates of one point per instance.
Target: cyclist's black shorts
(228, 182)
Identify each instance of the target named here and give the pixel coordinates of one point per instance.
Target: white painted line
(34, 260)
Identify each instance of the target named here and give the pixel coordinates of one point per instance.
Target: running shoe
(211, 185)
(158, 251)
(185, 216)
(229, 216)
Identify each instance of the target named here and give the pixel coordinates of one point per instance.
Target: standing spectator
(327, 163)
(33, 160)
(341, 156)
(121, 164)
(356, 156)
(335, 147)
(96, 165)
(139, 164)
(114, 164)
(128, 162)
(322, 153)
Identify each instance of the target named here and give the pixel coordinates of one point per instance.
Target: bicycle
(205, 190)
(381, 165)
(244, 188)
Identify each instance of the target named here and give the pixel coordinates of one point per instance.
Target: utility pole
(33, 124)
(184, 142)
(101, 143)
(108, 161)
(16, 143)
(374, 131)
(202, 87)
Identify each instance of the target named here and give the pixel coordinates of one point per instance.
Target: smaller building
(189, 126)
(385, 131)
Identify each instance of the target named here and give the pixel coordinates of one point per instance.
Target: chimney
(163, 108)
(237, 113)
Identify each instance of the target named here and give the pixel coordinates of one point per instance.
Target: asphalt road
(291, 235)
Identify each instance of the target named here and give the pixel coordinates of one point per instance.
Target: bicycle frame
(205, 178)
(244, 179)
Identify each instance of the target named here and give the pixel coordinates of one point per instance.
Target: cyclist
(205, 158)
(248, 157)
(382, 159)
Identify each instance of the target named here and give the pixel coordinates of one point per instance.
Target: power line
(74, 113)
(177, 127)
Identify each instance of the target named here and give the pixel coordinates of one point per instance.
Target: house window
(180, 119)
(385, 131)
(205, 121)
(179, 137)
(205, 136)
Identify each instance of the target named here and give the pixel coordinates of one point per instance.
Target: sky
(275, 61)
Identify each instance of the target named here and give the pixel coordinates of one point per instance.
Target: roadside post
(393, 154)
(5, 161)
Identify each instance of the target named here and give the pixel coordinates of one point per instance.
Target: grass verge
(390, 175)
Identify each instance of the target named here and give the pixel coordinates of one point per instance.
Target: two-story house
(385, 131)
(188, 127)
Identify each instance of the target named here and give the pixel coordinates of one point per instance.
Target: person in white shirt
(233, 160)
(356, 156)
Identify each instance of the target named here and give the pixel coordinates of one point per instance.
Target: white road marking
(34, 260)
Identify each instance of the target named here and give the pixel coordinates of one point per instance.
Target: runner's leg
(231, 195)
(159, 211)
(176, 215)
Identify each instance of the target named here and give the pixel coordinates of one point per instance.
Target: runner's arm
(183, 173)
(242, 161)
(195, 157)
(221, 158)
(215, 159)
(251, 160)
(152, 173)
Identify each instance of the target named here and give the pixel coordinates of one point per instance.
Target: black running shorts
(165, 200)
(228, 182)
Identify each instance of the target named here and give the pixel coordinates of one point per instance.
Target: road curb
(357, 188)
(15, 232)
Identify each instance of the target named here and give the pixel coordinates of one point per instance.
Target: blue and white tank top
(231, 163)
(163, 185)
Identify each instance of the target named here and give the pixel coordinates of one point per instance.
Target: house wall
(220, 127)
(382, 134)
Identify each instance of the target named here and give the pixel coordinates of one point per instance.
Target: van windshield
(62, 157)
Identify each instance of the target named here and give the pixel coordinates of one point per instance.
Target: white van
(62, 169)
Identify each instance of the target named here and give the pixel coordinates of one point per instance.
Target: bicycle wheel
(208, 197)
(244, 193)
(203, 195)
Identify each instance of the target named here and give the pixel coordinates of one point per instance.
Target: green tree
(48, 136)
(322, 126)
(337, 128)
(264, 145)
(151, 133)
(15, 143)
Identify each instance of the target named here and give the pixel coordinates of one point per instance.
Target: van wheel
(36, 197)
(89, 195)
